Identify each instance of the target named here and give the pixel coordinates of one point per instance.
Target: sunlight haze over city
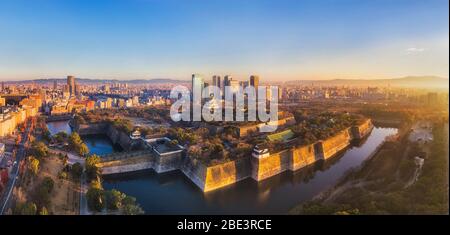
(279, 40)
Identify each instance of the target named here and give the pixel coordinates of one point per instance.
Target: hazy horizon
(278, 40)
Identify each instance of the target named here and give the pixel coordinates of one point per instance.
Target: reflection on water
(55, 127)
(97, 144)
(173, 193)
(100, 144)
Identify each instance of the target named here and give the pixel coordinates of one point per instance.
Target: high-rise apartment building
(197, 83)
(254, 81)
(226, 80)
(217, 81)
(71, 84)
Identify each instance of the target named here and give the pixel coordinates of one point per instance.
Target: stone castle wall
(209, 178)
(335, 144)
(116, 136)
(274, 164)
(226, 173)
(300, 156)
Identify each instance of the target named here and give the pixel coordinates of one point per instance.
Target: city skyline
(291, 40)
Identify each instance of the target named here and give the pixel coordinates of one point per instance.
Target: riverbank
(166, 193)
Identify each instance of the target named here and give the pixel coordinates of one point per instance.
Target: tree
(75, 139)
(44, 190)
(76, 143)
(76, 170)
(91, 166)
(28, 208)
(129, 206)
(83, 149)
(96, 184)
(46, 135)
(132, 210)
(43, 211)
(48, 184)
(114, 199)
(33, 165)
(62, 175)
(39, 149)
(92, 160)
(95, 199)
(59, 137)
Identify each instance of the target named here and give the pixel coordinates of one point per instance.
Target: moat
(97, 144)
(173, 193)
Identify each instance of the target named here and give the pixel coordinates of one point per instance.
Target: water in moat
(174, 193)
(97, 144)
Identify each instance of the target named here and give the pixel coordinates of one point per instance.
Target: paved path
(73, 158)
(83, 201)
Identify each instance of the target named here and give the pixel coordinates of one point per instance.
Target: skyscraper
(216, 81)
(71, 84)
(254, 81)
(55, 85)
(226, 80)
(197, 89)
(197, 82)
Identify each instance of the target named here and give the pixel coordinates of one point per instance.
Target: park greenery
(318, 126)
(387, 174)
(39, 149)
(77, 144)
(33, 165)
(40, 198)
(92, 171)
(112, 201)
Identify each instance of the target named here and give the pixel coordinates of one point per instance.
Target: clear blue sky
(279, 40)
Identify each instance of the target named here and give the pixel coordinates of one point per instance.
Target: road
(83, 200)
(20, 154)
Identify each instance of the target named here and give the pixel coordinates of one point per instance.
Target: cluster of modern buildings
(198, 82)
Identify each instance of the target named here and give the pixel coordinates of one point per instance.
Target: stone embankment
(116, 136)
(300, 156)
(209, 178)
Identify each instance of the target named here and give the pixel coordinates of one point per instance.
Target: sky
(278, 40)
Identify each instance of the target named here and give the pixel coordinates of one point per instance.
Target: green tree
(76, 143)
(95, 199)
(33, 164)
(76, 170)
(75, 139)
(96, 184)
(39, 149)
(43, 211)
(43, 192)
(130, 207)
(114, 199)
(132, 210)
(28, 208)
(83, 149)
(92, 170)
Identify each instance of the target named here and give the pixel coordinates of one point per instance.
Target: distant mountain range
(92, 81)
(410, 81)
